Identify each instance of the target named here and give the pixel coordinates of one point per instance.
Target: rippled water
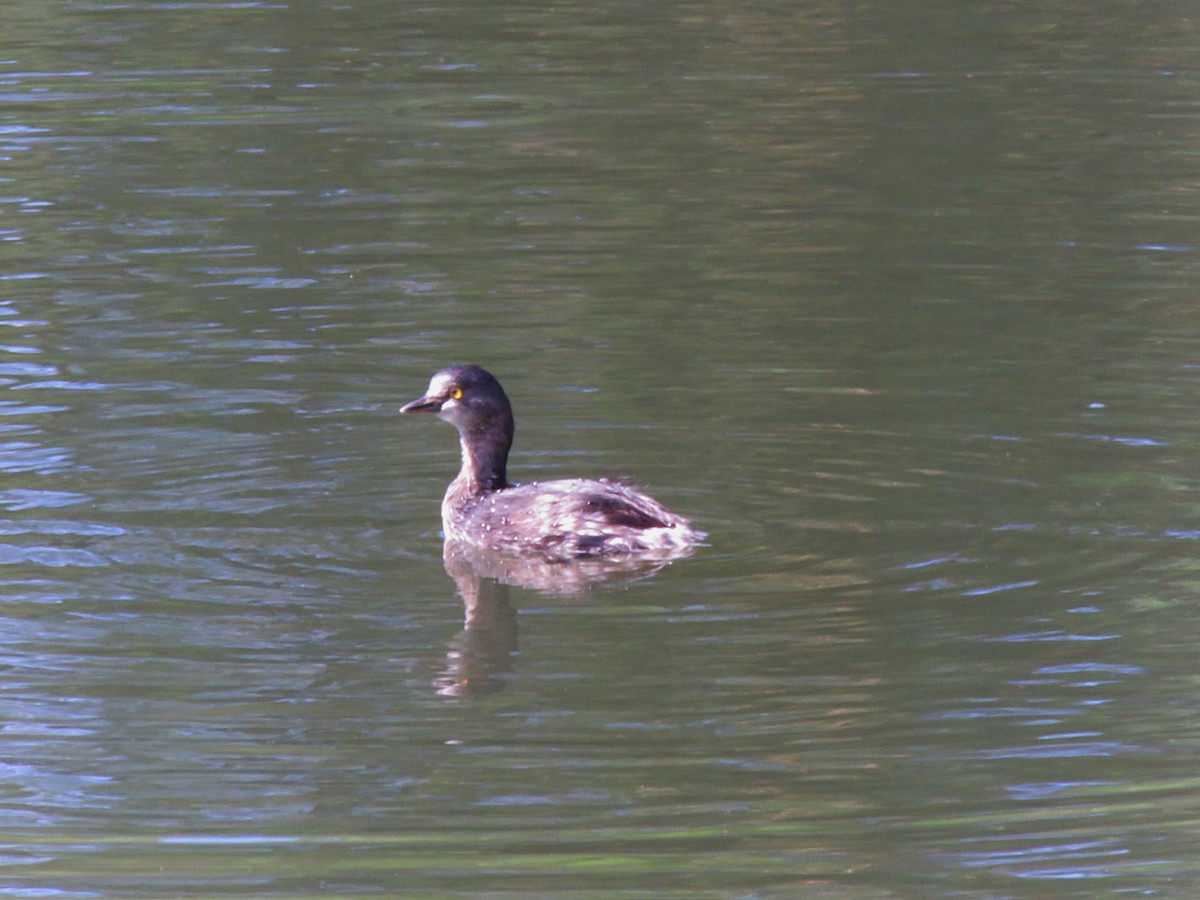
(895, 302)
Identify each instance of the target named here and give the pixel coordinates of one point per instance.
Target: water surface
(896, 303)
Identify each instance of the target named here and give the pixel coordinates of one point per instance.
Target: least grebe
(565, 519)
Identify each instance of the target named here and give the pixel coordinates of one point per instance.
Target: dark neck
(485, 459)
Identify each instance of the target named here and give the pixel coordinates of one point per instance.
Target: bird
(567, 519)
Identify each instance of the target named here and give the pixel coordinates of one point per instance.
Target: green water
(896, 302)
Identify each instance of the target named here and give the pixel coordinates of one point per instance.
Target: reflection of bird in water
(486, 645)
(573, 518)
(559, 578)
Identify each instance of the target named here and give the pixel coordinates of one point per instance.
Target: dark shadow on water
(483, 652)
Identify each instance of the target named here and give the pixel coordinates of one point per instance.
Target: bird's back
(568, 519)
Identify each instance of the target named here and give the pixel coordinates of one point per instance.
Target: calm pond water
(897, 302)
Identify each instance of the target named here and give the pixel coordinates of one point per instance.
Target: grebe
(566, 519)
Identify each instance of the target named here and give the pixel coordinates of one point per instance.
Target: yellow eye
(456, 393)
